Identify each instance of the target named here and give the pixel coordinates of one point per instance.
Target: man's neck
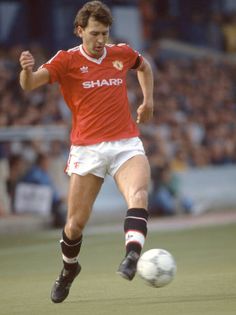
(95, 56)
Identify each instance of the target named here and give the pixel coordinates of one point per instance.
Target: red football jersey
(95, 91)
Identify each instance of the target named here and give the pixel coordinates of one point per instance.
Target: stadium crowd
(195, 110)
(194, 122)
(195, 22)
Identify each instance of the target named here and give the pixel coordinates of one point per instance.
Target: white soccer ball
(157, 267)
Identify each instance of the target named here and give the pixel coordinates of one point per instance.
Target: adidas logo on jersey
(104, 82)
(84, 69)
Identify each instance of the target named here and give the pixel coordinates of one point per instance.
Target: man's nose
(100, 38)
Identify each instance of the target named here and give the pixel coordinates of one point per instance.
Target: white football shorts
(102, 158)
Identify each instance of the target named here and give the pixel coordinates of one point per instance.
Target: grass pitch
(205, 282)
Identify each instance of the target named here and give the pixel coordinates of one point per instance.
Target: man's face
(94, 37)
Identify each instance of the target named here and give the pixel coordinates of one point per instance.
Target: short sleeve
(135, 59)
(57, 66)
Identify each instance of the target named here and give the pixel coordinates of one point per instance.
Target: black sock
(70, 251)
(135, 228)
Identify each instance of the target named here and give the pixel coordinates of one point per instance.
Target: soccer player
(104, 137)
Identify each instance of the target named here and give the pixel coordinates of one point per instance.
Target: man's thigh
(133, 179)
(83, 191)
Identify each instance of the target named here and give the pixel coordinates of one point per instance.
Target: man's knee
(139, 198)
(74, 227)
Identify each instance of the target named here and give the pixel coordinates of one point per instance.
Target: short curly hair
(96, 9)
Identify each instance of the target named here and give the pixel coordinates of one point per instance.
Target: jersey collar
(98, 61)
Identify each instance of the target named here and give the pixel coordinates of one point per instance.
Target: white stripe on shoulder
(73, 49)
(49, 61)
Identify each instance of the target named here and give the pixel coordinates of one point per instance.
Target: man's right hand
(29, 79)
(27, 61)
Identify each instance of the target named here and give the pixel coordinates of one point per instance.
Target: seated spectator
(17, 167)
(215, 36)
(179, 162)
(58, 162)
(39, 174)
(229, 31)
(164, 197)
(4, 171)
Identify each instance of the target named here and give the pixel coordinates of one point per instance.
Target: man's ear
(79, 31)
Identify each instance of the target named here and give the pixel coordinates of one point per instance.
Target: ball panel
(157, 267)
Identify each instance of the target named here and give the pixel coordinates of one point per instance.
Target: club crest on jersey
(84, 69)
(118, 64)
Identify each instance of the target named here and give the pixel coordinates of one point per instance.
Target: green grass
(205, 282)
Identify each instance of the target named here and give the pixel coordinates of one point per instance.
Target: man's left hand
(144, 113)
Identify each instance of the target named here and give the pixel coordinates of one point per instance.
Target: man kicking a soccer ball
(104, 138)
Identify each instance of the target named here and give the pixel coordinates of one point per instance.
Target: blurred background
(191, 140)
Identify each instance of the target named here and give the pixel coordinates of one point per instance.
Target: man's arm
(145, 78)
(30, 80)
